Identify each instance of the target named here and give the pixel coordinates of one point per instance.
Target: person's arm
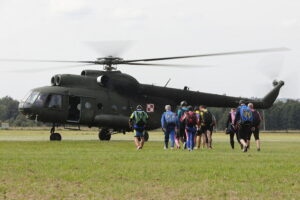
(237, 116)
(260, 119)
(183, 117)
(131, 118)
(163, 122)
(228, 120)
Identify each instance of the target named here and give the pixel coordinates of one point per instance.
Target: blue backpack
(246, 115)
(170, 118)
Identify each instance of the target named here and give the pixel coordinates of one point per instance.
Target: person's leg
(136, 141)
(142, 142)
(182, 135)
(208, 132)
(211, 139)
(249, 140)
(203, 139)
(187, 139)
(198, 139)
(238, 138)
(256, 136)
(172, 137)
(167, 133)
(193, 139)
(231, 136)
(177, 138)
(243, 137)
(184, 139)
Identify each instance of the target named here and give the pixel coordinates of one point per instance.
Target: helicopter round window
(79, 106)
(114, 107)
(88, 105)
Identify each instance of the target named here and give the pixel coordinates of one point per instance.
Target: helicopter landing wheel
(146, 136)
(55, 137)
(104, 134)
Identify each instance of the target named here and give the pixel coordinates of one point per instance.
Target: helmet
(139, 107)
(242, 102)
(183, 103)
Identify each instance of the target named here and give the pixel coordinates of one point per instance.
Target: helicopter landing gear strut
(104, 134)
(54, 136)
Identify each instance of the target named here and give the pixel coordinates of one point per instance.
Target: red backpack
(191, 119)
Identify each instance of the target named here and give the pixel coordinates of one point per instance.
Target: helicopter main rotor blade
(33, 70)
(53, 61)
(169, 65)
(212, 54)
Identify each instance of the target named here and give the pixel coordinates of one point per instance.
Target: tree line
(283, 115)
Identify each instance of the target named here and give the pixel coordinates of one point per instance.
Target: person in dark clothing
(181, 132)
(191, 121)
(255, 128)
(243, 123)
(230, 129)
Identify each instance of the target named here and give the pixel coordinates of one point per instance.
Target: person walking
(181, 132)
(255, 128)
(230, 129)
(190, 127)
(206, 119)
(243, 123)
(138, 120)
(169, 124)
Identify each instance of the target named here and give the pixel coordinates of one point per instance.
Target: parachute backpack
(140, 118)
(191, 119)
(170, 118)
(246, 115)
(207, 118)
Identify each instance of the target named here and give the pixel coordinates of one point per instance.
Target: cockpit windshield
(41, 100)
(45, 100)
(32, 97)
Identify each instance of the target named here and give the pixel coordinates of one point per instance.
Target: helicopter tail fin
(270, 98)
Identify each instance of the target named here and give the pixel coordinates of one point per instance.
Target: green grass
(88, 169)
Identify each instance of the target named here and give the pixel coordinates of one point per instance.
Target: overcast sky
(58, 29)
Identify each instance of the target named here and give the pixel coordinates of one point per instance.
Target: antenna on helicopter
(167, 82)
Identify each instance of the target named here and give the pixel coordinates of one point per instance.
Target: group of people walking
(189, 127)
(243, 122)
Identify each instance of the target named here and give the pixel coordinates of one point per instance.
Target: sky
(60, 30)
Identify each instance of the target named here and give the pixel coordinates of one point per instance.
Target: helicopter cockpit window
(55, 101)
(41, 100)
(32, 97)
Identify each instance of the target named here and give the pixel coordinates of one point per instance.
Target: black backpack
(207, 118)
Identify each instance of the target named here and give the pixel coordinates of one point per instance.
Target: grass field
(81, 167)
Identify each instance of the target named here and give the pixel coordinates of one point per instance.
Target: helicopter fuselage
(107, 98)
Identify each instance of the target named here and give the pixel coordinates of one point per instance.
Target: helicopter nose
(25, 109)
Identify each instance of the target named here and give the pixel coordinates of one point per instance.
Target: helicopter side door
(74, 109)
(81, 109)
(88, 108)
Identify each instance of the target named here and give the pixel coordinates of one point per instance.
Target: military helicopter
(105, 98)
